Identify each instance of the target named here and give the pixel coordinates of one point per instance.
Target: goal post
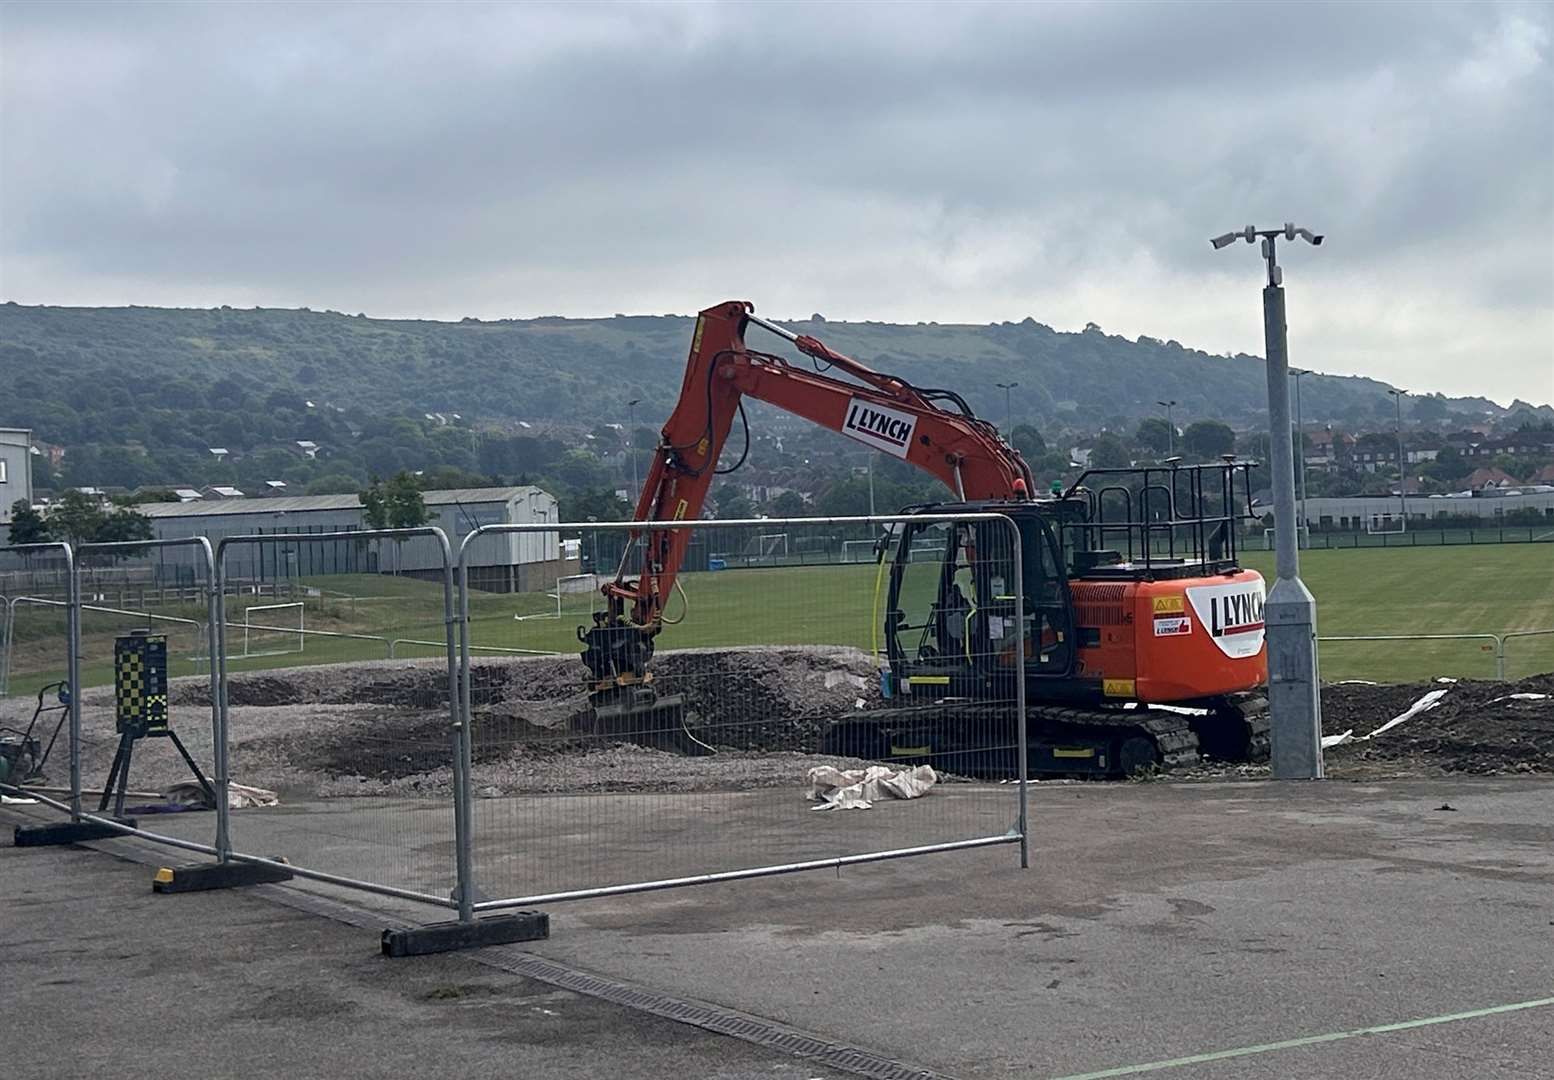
(574, 594)
(272, 633)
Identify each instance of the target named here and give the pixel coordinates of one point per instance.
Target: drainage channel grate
(737, 1025)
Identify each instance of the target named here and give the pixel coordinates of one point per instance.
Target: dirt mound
(383, 727)
(1477, 727)
(417, 683)
(776, 699)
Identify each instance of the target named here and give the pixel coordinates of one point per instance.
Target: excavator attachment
(640, 715)
(625, 705)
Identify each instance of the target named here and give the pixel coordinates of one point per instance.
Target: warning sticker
(1172, 625)
(1169, 605)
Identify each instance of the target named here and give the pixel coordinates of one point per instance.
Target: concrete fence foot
(448, 936)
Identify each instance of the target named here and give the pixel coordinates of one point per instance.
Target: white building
(1383, 511)
(15, 469)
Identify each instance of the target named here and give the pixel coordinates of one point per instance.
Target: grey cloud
(951, 162)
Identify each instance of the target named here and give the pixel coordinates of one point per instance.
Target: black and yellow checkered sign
(140, 682)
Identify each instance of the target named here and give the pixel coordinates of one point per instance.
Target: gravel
(381, 727)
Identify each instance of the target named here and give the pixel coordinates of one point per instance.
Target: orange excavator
(1141, 635)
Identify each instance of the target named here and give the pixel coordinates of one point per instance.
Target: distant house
(221, 491)
(1422, 446)
(186, 495)
(308, 448)
(1376, 451)
(1325, 449)
(275, 487)
(1490, 478)
(1544, 475)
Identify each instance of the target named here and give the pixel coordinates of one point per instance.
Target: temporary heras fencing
(101, 748)
(766, 678)
(1510, 654)
(765, 681)
(349, 735)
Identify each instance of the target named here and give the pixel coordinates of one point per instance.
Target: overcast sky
(957, 163)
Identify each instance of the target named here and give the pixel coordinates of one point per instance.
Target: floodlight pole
(1006, 387)
(631, 447)
(1170, 428)
(1303, 536)
(1290, 614)
(1397, 398)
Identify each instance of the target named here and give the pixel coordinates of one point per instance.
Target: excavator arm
(932, 429)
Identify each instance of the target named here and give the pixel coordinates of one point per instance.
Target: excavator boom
(880, 411)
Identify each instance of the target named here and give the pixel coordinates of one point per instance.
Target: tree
(334, 484)
(122, 525)
(1426, 409)
(1448, 466)
(788, 504)
(27, 525)
(1209, 439)
(1108, 452)
(1155, 434)
(1026, 439)
(76, 518)
(580, 470)
(80, 519)
(736, 506)
(395, 503)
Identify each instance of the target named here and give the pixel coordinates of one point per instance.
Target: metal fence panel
(1527, 652)
(770, 668)
(364, 756)
(71, 666)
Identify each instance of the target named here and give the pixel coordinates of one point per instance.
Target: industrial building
(15, 469)
(1490, 506)
(511, 562)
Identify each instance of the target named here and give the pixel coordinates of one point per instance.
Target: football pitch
(1426, 590)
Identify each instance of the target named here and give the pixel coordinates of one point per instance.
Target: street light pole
(1397, 398)
(871, 483)
(1170, 427)
(1008, 408)
(1290, 614)
(1303, 536)
(631, 447)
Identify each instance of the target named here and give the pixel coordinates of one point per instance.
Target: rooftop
(288, 504)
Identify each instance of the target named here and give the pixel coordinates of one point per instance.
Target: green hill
(138, 395)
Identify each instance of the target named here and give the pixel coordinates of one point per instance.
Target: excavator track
(1175, 744)
(977, 739)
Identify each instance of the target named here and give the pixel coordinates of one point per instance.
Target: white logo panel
(1232, 614)
(879, 426)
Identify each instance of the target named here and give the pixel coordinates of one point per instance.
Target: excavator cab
(954, 598)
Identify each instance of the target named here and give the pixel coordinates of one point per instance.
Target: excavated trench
(383, 727)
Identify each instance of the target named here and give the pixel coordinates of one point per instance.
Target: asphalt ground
(1186, 930)
(100, 977)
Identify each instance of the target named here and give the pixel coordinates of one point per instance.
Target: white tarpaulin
(1424, 704)
(239, 796)
(859, 789)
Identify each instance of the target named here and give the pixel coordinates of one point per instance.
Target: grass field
(1426, 590)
